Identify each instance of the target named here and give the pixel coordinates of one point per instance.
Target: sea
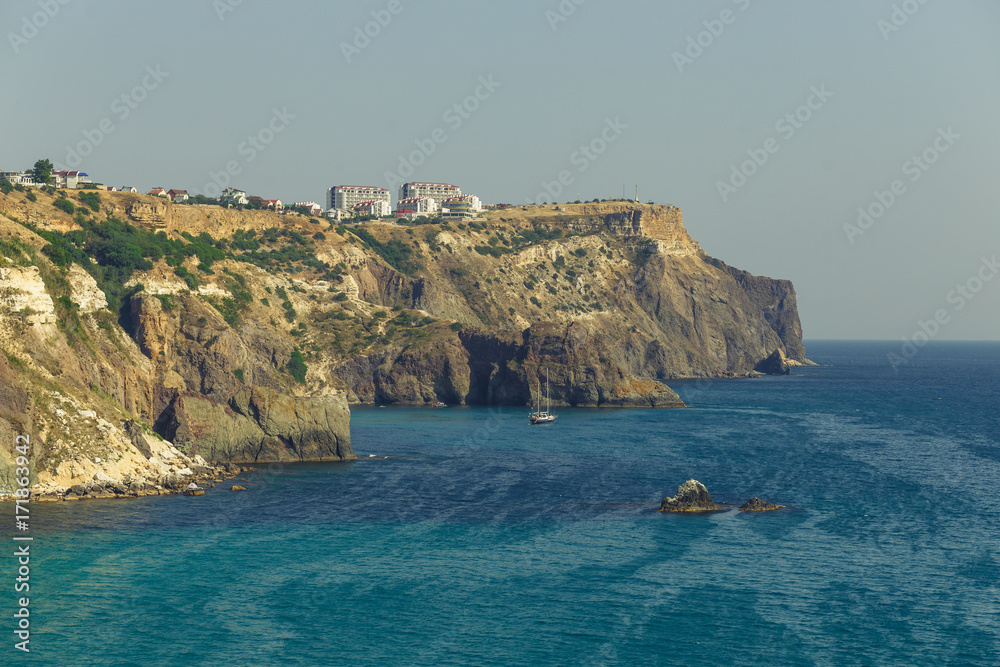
(465, 536)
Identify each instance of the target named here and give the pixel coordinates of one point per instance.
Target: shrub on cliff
(396, 254)
(91, 199)
(64, 205)
(297, 366)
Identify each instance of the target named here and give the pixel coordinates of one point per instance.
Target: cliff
(241, 336)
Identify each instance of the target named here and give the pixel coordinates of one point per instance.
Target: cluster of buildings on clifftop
(415, 200)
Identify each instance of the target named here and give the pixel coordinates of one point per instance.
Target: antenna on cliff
(636, 193)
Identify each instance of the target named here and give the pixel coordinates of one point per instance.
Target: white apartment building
(348, 196)
(379, 209)
(436, 191)
(475, 204)
(417, 205)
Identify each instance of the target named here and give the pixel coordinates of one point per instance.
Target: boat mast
(548, 406)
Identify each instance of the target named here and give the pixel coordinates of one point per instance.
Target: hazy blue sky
(200, 78)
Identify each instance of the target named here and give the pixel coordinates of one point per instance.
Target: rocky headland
(240, 337)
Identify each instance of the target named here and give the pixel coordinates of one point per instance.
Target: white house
(275, 204)
(70, 180)
(128, 188)
(177, 195)
(313, 207)
(157, 192)
(233, 197)
(18, 177)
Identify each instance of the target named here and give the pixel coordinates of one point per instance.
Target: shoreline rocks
(132, 486)
(692, 496)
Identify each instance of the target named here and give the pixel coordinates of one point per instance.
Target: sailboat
(538, 416)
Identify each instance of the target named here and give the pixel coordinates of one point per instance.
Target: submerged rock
(692, 496)
(755, 504)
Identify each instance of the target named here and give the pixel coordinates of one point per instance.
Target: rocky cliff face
(635, 297)
(623, 298)
(481, 368)
(147, 397)
(220, 394)
(242, 335)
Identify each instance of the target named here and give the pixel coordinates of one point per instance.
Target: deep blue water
(472, 538)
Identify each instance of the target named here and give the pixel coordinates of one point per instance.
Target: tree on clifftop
(42, 172)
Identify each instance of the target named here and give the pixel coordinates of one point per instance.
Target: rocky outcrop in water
(757, 505)
(692, 496)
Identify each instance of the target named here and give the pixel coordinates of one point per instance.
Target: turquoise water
(472, 538)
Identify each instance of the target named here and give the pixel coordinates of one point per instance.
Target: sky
(850, 147)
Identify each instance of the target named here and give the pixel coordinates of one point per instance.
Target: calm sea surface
(464, 536)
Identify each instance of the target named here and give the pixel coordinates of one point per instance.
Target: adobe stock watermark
(455, 117)
(223, 7)
(900, 16)
(582, 159)
(958, 298)
(22, 583)
(249, 149)
(121, 108)
(714, 28)
(565, 9)
(30, 26)
(363, 36)
(914, 169)
(786, 126)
